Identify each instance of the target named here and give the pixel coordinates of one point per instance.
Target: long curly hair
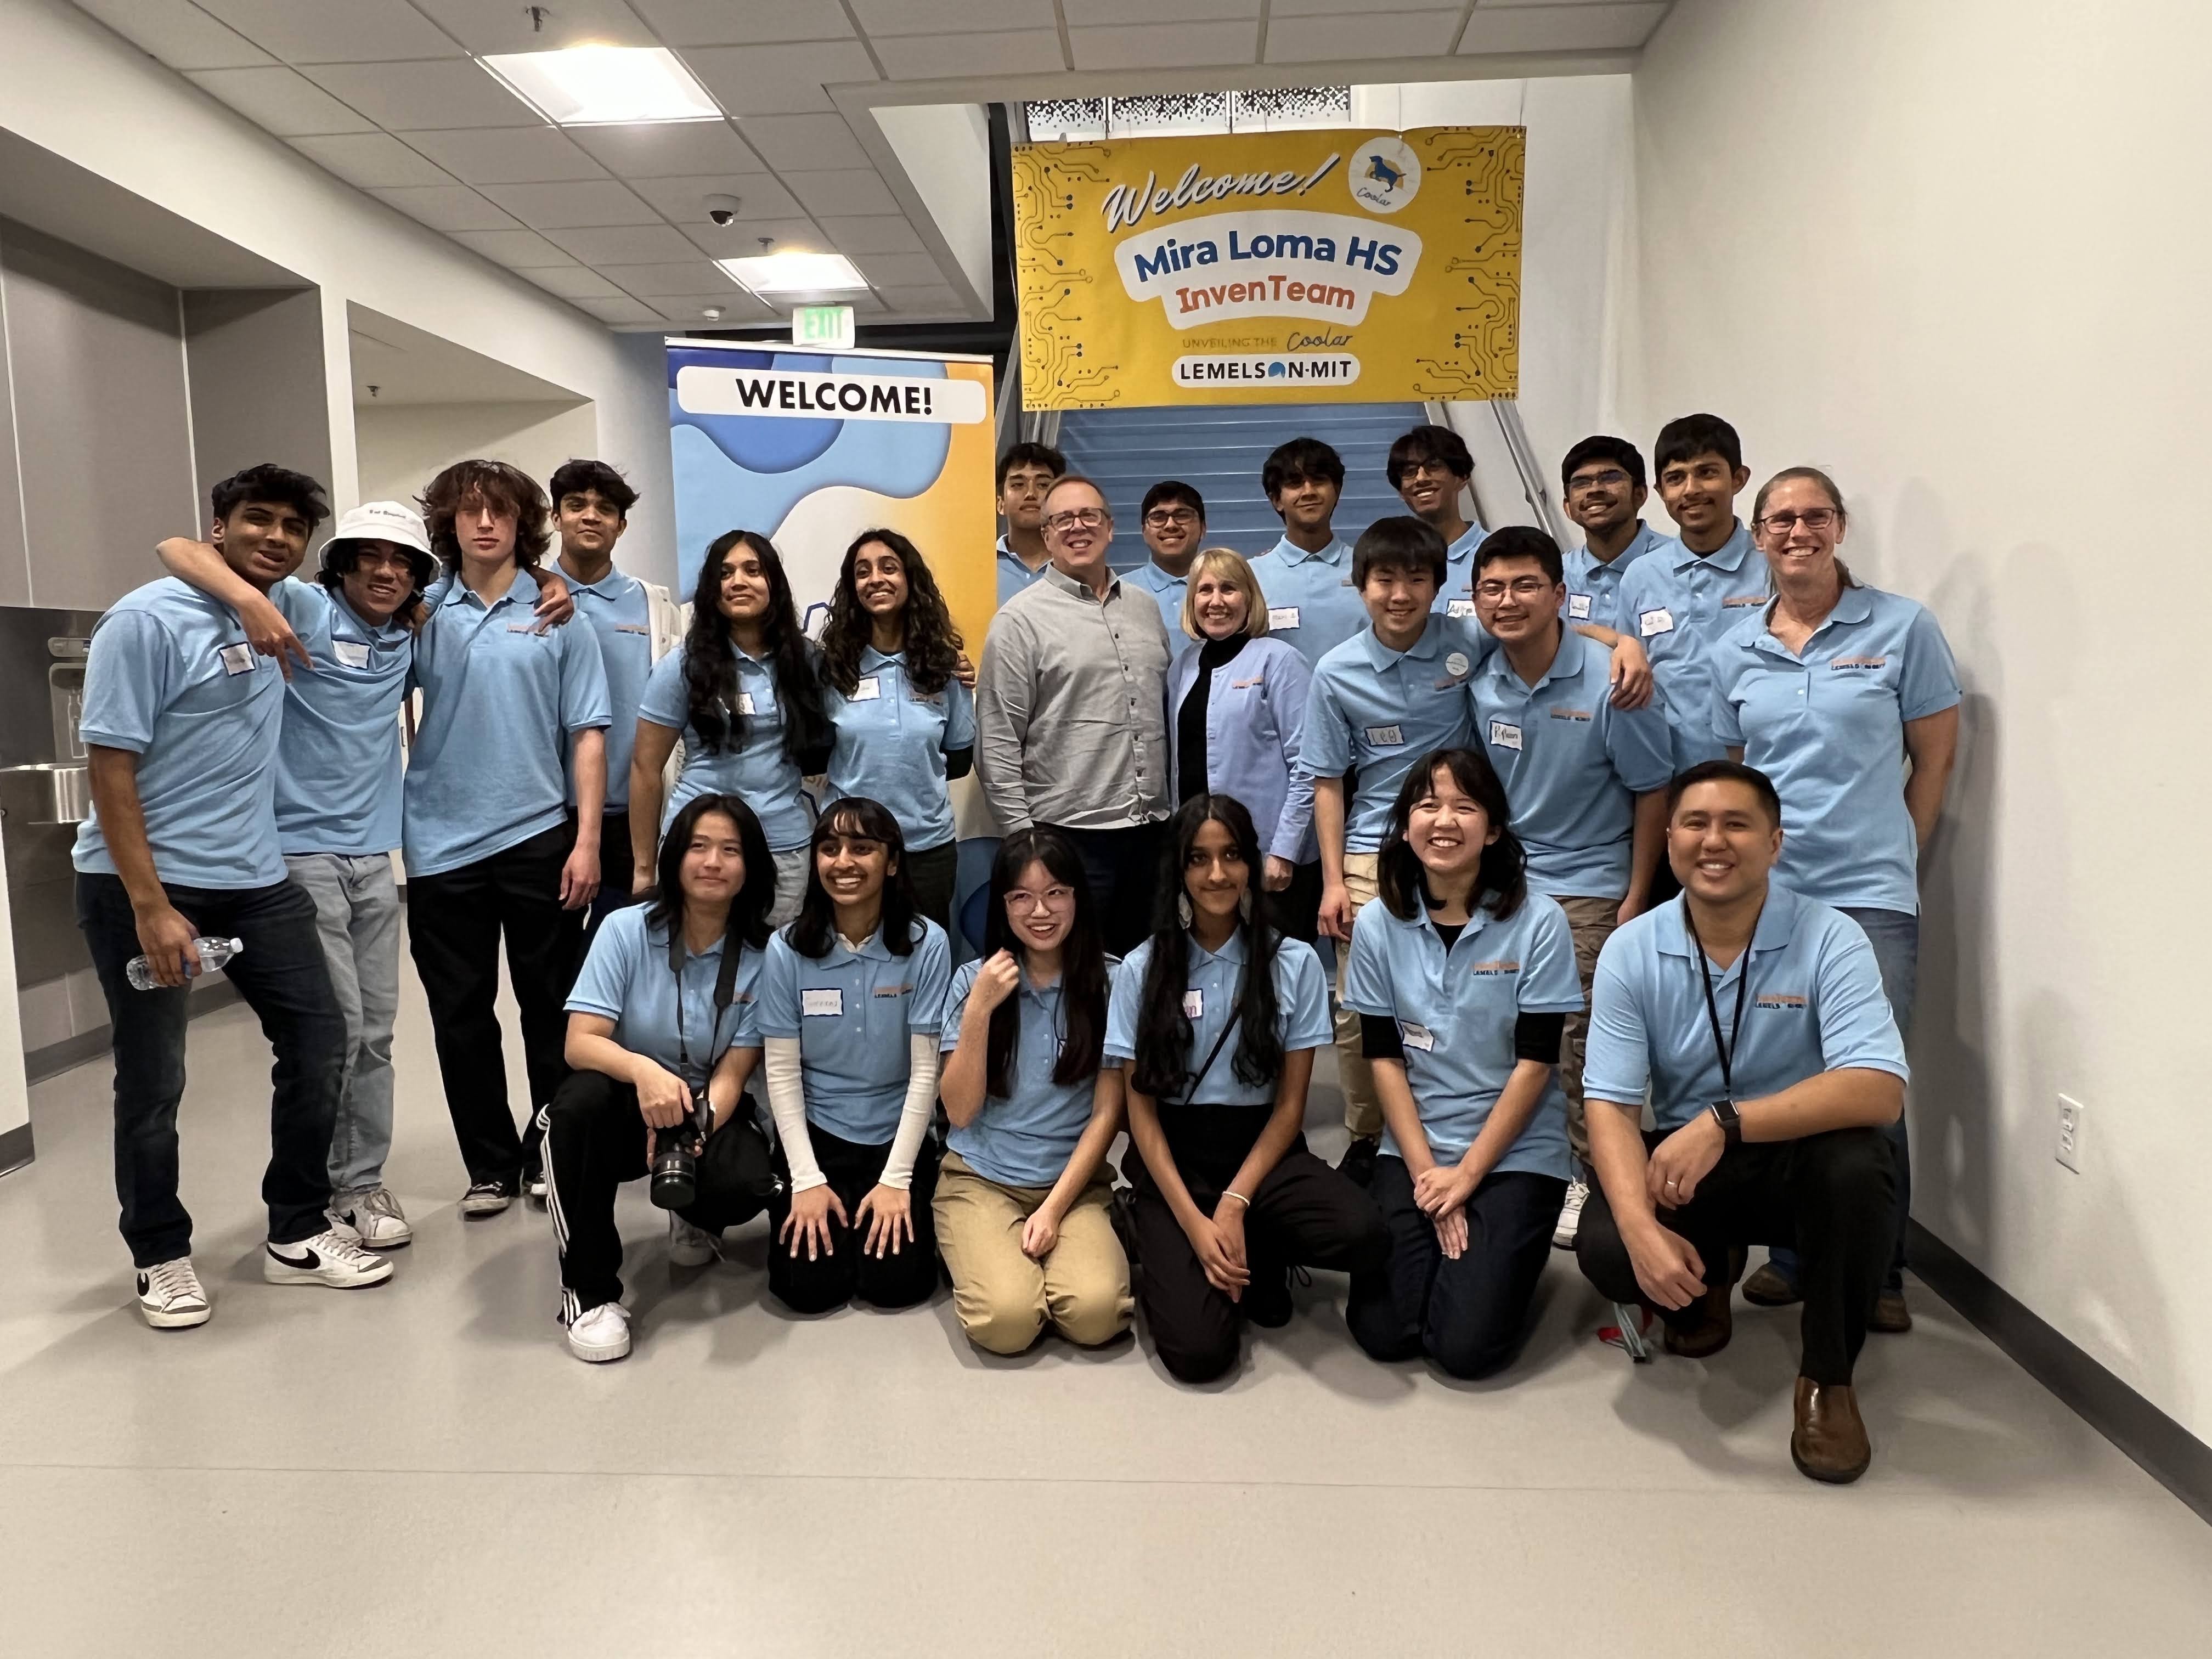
(710, 661)
(505, 489)
(933, 643)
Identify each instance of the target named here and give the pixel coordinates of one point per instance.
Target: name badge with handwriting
(1416, 1037)
(351, 653)
(1387, 737)
(1503, 734)
(1648, 623)
(831, 1002)
(1578, 607)
(868, 690)
(235, 658)
(1193, 1005)
(1282, 616)
(1459, 608)
(746, 703)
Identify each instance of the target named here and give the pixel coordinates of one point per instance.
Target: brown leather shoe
(1716, 1319)
(1829, 1443)
(1890, 1314)
(1768, 1288)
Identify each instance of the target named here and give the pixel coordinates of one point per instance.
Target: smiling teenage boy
(1429, 467)
(1173, 518)
(1604, 481)
(1313, 599)
(1026, 472)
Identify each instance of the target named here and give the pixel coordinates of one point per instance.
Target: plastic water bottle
(213, 952)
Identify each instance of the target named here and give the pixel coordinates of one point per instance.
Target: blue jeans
(357, 916)
(1895, 937)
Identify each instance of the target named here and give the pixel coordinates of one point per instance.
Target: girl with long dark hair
(1214, 1021)
(852, 1004)
(1023, 1206)
(905, 725)
(742, 689)
(1462, 980)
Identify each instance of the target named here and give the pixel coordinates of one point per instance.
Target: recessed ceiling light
(601, 86)
(795, 273)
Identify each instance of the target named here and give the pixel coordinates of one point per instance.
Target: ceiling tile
(507, 155)
(929, 57)
(924, 302)
(335, 30)
(177, 32)
(878, 233)
(625, 245)
(371, 160)
(742, 241)
(684, 201)
(281, 100)
(1170, 11)
(619, 310)
(1370, 35)
(774, 80)
(426, 97)
(804, 143)
(518, 250)
(742, 22)
(675, 278)
(573, 282)
(485, 26)
(881, 17)
(1282, 8)
(447, 207)
(1560, 28)
(562, 207)
(901, 270)
(687, 312)
(669, 150)
(854, 189)
(1165, 46)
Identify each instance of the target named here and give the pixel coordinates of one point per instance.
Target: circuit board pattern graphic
(1454, 333)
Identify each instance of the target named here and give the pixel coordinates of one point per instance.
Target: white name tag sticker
(869, 688)
(1578, 607)
(1503, 734)
(1193, 1005)
(1387, 737)
(1648, 623)
(235, 658)
(746, 703)
(1282, 616)
(1459, 608)
(831, 1002)
(351, 653)
(1416, 1037)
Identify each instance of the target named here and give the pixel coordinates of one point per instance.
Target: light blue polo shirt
(337, 758)
(753, 767)
(1256, 713)
(1213, 978)
(1827, 726)
(1169, 591)
(626, 979)
(501, 703)
(1593, 584)
(1379, 711)
(1572, 764)
(1681, 606)
(1311, 603)
(1025, 1138)
(853, 1012)
(891, 744)
(1814, 1004)
(620, 612)
(1455, 1011)
(1013, 574)
(172, 679)
(1456, 596)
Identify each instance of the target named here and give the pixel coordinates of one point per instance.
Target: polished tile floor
(421, 1468)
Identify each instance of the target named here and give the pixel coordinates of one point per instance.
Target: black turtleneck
(1190, 719)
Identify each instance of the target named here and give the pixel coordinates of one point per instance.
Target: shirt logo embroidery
(892, 990)
(1246, 685)
(1493, 969)
(1743, 601)
(1570, 713)
(1857, 662)
(1777, 999)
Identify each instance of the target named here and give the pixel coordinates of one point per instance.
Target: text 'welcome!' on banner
(802, 395)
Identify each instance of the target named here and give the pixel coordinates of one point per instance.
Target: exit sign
(827, 326)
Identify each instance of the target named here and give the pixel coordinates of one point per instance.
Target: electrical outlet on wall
(2070, 1133)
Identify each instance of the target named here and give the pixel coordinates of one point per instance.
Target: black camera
(675, 1156)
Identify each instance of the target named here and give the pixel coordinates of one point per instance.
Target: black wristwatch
(1731, 1122)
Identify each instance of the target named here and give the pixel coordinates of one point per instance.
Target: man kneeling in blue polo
(1758, 1020)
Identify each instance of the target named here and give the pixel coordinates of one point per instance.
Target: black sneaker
(1267, 1298)
(487, 1197)
(1358, 1164)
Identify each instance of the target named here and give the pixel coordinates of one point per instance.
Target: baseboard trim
(2166, 1451)
(15, 1148)
(55, 1058)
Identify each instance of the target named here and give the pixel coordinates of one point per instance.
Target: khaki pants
(1362, 1110)
(1003, 1297)
(1593, 921)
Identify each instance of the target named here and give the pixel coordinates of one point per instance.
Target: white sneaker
(325, 1259)
(376, 1219)
(533, 1187)
(338, 1224)
(1570, 1216)
(600, 1334)
(170, 1295)
(689, 1246)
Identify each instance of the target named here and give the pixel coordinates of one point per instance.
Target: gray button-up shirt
(1070, 707)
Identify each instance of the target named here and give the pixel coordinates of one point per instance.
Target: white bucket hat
(383, 521)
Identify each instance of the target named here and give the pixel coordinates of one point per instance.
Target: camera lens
(675, 1171)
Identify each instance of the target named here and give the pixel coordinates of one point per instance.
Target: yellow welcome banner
(1281, 267)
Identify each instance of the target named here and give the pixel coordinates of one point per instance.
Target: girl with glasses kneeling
(1462, 980)
(1214, 1021)
(852, 1001)
(662, 1036)
(1023, 1209)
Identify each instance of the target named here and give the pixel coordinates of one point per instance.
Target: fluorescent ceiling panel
(795, 273)
(604, 86)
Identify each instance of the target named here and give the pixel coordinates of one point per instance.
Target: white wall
(84, 92)
(402, 446)
(1955, 253)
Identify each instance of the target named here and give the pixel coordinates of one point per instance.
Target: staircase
(1218, 451)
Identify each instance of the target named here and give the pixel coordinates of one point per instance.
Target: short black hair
(577, 477)
(270, 482)
(1301, 458)
(1403, 543)
(1725, 771)
(339, 557)
(1693, 436)
(1619, 450)
(1428, 443)
(1522, 541)
(1029, 455)
(1172, 489)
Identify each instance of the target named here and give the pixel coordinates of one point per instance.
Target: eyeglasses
(1090, 518)
(1781, 523)
(1020, 901)
(1520, 587)
(1161, 518)
(1415, 469)
(1582, 483)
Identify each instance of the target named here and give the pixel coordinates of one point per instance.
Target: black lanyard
(725, 977)
(1726, 1051)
